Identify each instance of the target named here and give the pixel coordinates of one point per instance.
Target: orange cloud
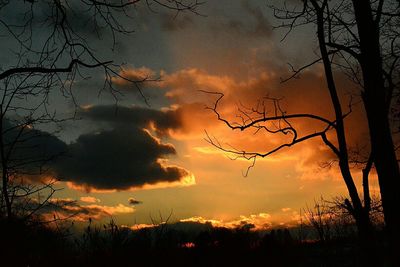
(67, 209)
(89, 199)
(126, 75)
(305, 95)
(260, 221)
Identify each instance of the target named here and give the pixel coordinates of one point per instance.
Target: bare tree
(47, 52)
(361, 39)
(320, 218)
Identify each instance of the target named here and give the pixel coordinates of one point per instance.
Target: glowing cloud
(89, 199)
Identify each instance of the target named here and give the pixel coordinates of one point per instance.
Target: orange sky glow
(245, 67)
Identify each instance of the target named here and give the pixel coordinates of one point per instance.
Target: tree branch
(30, 70)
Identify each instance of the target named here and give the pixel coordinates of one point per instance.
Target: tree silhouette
(361, 39)
(51, 45)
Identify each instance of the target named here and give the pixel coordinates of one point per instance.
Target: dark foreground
(190, 244)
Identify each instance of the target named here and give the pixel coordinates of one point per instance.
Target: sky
(139, 162)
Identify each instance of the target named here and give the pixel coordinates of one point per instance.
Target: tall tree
(378, 25)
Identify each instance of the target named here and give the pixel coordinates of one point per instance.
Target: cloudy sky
(134, 161)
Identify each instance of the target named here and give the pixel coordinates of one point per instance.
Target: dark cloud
(262, 26)
(251, 23)
(247, 21)
(139, 117)
(118, 159)
(124, 154)
(259, 26)
(170, 22)
(120, 156)
(28, 149)
(133, 201)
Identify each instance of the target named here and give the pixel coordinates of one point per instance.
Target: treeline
(185, 244)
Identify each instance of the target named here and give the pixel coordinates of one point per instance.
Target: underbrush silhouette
(36, 244)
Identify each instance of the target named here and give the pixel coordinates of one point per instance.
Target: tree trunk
(388, 175)
(6, 196)
(377, 106)
(368, 255)
(360, 214)
(5, 181)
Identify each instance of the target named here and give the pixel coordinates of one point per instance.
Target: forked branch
(275, 121)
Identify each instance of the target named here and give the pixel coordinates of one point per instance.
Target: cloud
(171, 22)
(125, 152)
(133, 201)
(308, 94)
(118, 159)
(259, 26)
(259, 221)
(28, 149)
(89, 199)
(247, 21)
(134, 117)
(134, 74)
(65, 208)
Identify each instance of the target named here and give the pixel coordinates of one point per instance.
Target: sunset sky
(134, 161)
